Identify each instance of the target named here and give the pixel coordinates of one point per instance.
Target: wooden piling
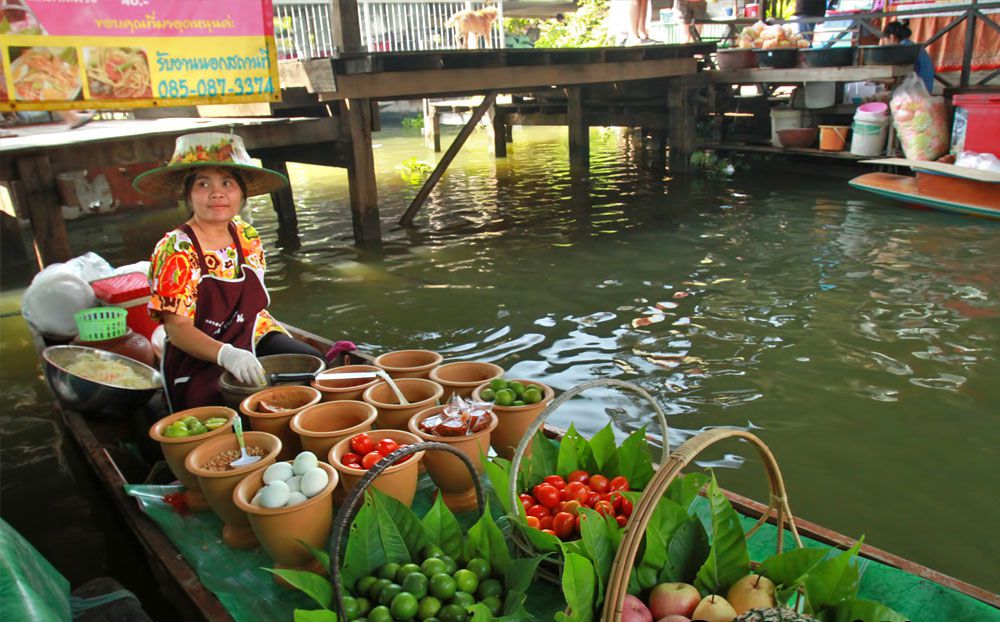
(579, 131)
(682, 131)
(283, 201)
(44, 208)
(498, 132)
(361, 175)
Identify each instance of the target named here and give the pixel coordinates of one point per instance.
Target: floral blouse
(174, 274)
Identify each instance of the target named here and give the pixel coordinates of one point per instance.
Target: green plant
(414, 171)
(413, 123)
(585, 27)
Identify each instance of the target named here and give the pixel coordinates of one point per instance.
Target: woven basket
(551, 568)
(643, 511)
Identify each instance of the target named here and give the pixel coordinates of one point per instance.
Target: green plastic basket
(100, 323)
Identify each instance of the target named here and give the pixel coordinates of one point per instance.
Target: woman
(897, 33)
(207, 276)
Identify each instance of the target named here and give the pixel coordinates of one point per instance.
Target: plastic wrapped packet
(978, 161)
(919, 119)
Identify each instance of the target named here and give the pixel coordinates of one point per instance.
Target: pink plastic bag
(919, 119)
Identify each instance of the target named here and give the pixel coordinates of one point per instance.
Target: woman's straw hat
(214, 149)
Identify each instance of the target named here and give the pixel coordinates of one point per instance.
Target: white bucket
(868, 133)
(821, 94)
(783, 120)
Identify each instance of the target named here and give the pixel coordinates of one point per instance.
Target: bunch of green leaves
(585, 27)
(413, 123)
(384, 531)
(414, 171)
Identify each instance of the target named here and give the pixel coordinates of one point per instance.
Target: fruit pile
(365, 451)
(762, 36)
(193, 426)
(437, 589)
(681, 602)
(511, 393)
(554, 505)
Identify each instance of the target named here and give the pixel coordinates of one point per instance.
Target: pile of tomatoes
(554, 505)
(365, 451)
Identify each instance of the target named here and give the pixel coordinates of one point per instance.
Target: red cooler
(130, 292)
(977, 123)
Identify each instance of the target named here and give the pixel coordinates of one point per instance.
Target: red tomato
(370, 459)
(599, 483)
(351, 460)
(562, 524)
(618, 483)
(533, 522)
(604, 508)
(605, 496)
(625, 507)
(547, 495)
(576, 522)
(592, 499)
(362, 444)
(549, 531)
(403, 459)
(386, 446)
(556, 481)
(621, 520)
(527, 501)
(573, 507)
(578, 476)
(575, 491)
(538, 511)
(545, 523)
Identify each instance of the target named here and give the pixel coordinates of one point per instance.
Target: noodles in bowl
(98, 383)
(118, 73)
(43, 73)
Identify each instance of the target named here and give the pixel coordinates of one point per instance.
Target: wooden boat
(936, 185)
(100, 441)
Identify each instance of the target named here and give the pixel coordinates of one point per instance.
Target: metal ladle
(332, 374)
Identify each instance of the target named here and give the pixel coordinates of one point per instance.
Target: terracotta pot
(279, 529)
(332, 390)
(175, 450)
(323, 425)
(462, 377)
(398, 481)
(233, 392)
(514, 420)
(447, 471)
(292, 399)
(391, 414)
(408, 363)
(218, 486)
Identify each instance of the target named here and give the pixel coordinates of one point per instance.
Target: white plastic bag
(59, 291)
(919, 119)
(978, 161)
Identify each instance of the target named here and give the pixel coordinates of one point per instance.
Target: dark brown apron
(226, 311)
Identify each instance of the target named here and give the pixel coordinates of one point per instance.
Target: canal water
(858, 339)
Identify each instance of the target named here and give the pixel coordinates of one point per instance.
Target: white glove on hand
(242, 364)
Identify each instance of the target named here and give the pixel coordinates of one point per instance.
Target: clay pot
(279, 529)
(408, 363)
(131, 344)
(462, 377)
(332, 390)
(447, 471)
(175, 450)
(261, 406)
(233, 392)
(514, 420)
(218, 486)
(418, 392)
(323, 425)
(398, 481)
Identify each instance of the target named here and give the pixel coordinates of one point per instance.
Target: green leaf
(412, 531)
(321, 556)
(442, 528)
(634, 460)
(728, 560)
(858, 609)
(578, 587)
(487, 541)
(542, 542)
(684, 490)
(666, 519)
(686, 553)
(598, 546)
(543, 459)
(832, 580)
(313, 585)
(521, 574)
(497, 470)
(574, 453)
(603, 448)
(314, 615)
(364, 546)
(789, 568)
(392, 539)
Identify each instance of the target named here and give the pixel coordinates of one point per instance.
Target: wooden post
(681, 122)
(345, 27)
(407, 219)
(361, 175)
(432, 126)
(497, 132)
(579, 132)
(44, 211)
(660, 149)
(284, 206)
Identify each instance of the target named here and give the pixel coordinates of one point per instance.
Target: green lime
(450, 565)
(464, 599)
(197, 428)
(431, 619)
(433, 566)
(487, 395)
(517, 388)
(431, 550)
(404, 606)
(453, 613)
(489, 587)
(494, 605)
(350, 608)
(429, 607)
(466, 580)
(532, 395)
(389, 571)
(364, 606)
(176, 429)
(504, 397)
(364, 584)
(191, 420)
(498, 384)
(415, 583)
(388, 593)
(376, 588)
(443, 586)
(519, 403)
(380, 614)
(404, 570)
(480, 567)
(213, 423)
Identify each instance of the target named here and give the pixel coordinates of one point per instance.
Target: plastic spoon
(244, 458)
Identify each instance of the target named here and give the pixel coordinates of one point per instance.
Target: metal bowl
(90, 397)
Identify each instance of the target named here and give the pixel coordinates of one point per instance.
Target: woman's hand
(242, 364)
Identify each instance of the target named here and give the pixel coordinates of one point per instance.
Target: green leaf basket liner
(551, 568)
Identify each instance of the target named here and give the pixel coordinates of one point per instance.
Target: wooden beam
(579, 131)
(498, 123)
(407, 219)
(345, 27)
(811, 74)
(44, 211)
(361, 175)
(681, 133)
(283, 203)
(432, 126)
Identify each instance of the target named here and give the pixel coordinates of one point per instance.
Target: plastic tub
(868, 133)
(833, 137)
(821, 94)
(783, 120)
(874, 108)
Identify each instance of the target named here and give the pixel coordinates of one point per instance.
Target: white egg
(278, 472)
(274, 495)
(295, 498)
(256, 498)
(295, 483)
(314, 481)
(304, 461)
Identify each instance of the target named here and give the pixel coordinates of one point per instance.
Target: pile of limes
(437, 590)
(511, 393)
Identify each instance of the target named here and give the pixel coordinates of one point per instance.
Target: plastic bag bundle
(919, 120)
(978, 161)
(59, 291)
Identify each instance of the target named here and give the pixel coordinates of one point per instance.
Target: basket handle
(347, 510)
(522, 447)
(625, 557)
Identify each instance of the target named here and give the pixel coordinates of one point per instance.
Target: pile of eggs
(291, 484)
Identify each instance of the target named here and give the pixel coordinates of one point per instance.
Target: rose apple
(751, 592)
(635, 611)
(668, 598)
(675, 617)
(714, 608)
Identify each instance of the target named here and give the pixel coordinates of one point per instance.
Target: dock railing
(849, 27)
(302, 27)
